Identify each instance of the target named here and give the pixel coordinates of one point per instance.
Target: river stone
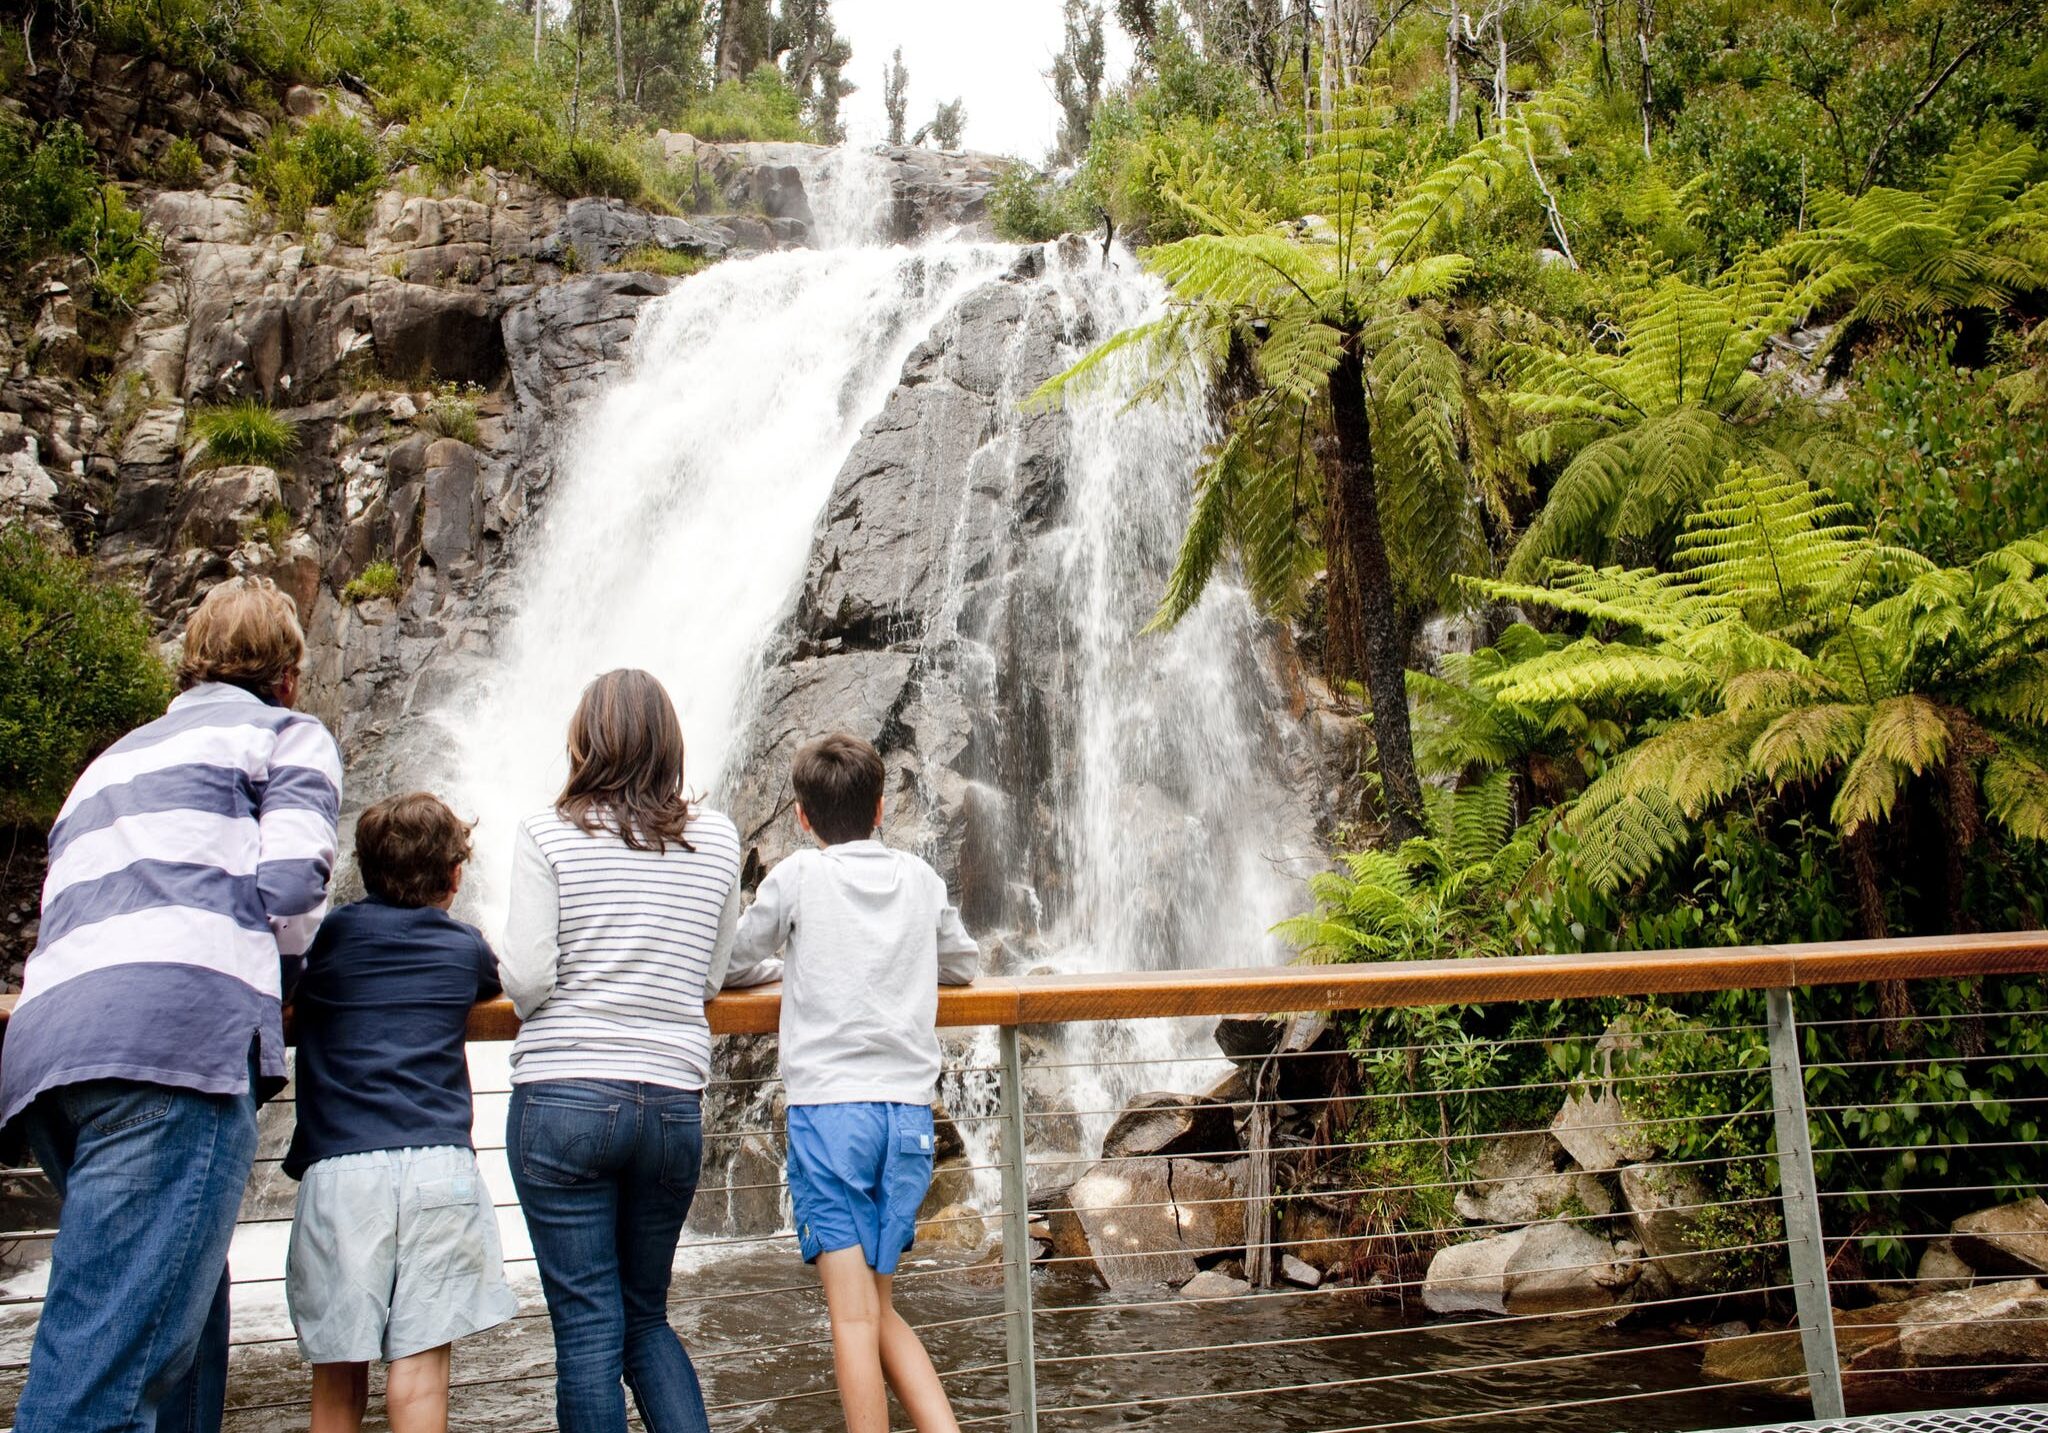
(1664, 1213)
(1161, 1122)
(1300, 1271)
(1516, 1180)
(1598, 1134)
(1941, 1270)
(1562, 1268)
(1144, 1222)
(1470, 1278)
(955, 1226)
(1908, 1348)
(1214, 1284)
(2006, 1238)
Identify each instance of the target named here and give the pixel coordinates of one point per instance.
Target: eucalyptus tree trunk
(1355, 521)
(1645, 16)
(1451, 66)
(539, 9)
(619, 50)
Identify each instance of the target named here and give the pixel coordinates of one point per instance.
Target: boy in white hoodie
(868, 935)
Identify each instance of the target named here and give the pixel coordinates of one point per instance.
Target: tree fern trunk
(1355, 521)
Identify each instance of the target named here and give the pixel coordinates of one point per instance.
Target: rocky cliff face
(425, 365)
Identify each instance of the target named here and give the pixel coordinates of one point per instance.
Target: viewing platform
(1128, 1231)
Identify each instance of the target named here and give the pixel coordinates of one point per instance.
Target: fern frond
(1909, 732)
(2016, 792)
(1808, 742)
(1868, 789)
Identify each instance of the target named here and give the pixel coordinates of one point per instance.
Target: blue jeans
(134, 1332)
(605, 1171)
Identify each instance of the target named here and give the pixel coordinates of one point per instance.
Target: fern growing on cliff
(1795, 652)
(1325, 334)
(1644, 431)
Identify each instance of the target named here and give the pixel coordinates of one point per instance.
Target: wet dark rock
(602, 231)
(1162, 1122)
(424, 334)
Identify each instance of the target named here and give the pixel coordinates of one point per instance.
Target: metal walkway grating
(2030, 1418)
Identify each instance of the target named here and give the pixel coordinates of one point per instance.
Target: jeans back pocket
(564, 1140)
(682, 1151)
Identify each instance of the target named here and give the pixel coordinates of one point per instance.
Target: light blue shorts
(857, 1174)
(393, 1252)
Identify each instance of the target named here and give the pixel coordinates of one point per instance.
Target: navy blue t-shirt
(379, 1017)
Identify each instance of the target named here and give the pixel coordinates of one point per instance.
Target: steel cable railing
(1326, 1239)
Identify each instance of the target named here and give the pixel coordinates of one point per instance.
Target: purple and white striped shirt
(188, 873)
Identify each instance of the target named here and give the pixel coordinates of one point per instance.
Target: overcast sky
(991, 53)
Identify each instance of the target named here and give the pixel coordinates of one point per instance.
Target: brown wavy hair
(626, 763)
(409, 848)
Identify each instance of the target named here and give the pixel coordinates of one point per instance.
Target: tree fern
(1644, 432)
(1366, 451)
(1790, 649)
(1970, 242)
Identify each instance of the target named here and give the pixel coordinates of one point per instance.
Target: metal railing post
(1800, 1193)
(1017, 1241)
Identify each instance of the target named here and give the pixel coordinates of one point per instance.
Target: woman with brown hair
(624, 898)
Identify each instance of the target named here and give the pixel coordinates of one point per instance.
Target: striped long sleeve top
(610, 952)
(188, 873)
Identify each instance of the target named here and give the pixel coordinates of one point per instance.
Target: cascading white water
(682, 512)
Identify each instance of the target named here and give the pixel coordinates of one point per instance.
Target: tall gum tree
(1361, 446)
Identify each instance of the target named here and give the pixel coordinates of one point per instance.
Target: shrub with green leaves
(182, 166)
(324, 160)
(54, 201)
(763, 106)
(245, 431)
(1028, 207)
(450, 414)
(78, 668)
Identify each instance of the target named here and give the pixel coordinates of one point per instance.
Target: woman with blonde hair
(624, 898)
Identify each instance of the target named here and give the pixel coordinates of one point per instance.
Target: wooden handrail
(1132, 995)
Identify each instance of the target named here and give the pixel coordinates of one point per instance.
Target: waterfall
(1149, 824)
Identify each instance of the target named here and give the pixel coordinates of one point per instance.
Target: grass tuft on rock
(246, 431)
(379, 580)
(653, 259)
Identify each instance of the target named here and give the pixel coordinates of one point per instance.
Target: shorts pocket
(563, 1141)
(442, 1234)
(130, 1111)
(914, 1133)
(682, 1152)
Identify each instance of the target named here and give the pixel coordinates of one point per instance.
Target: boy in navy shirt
(394, 1251)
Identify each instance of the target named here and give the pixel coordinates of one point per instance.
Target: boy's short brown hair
(246, 632)
(409, 848)
(838, 781)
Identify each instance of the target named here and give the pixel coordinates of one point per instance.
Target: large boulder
(1984, 1344)
(1941, 1270)
(1524, 1178)
(2005, 1239)
(1161, 1122)
(1597, 1132)
(1664, 1210)
(1144, 1222)
(602, 231)
(1546, 1268)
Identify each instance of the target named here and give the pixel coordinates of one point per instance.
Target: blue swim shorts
(857, 1174)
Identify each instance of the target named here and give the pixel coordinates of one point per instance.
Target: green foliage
(181, 167)
(1642, 432)
(1938, 457)
(762, 107)
(53, 201)
(451, 413)
(457, 142)
(322, 162)
(1797, 651)
(1975, 241)
(379, 581)
(274, 528)
(245, 431)
(653, 259)
(78, 668)
(1030, 208)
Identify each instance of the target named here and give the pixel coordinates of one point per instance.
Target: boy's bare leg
(416, 1392)
(856, 1310)
(340, 1393)
(909, 1368)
